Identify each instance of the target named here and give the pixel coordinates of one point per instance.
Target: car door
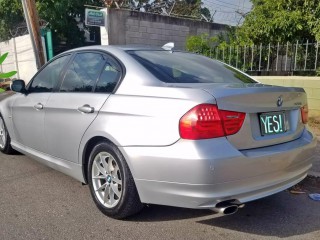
(28, 110)
(89, 79)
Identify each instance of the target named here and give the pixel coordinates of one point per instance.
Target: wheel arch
(87, 149)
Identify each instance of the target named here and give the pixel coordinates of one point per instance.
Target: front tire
(111, 184)
(5, 140)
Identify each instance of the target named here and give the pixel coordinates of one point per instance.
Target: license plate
(272, 123)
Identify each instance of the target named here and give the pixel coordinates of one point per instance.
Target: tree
(190, 8)
(281, 21)
(11, 18)
(60, 16)
(206, 12)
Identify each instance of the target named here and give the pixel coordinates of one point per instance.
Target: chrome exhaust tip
(227, 210)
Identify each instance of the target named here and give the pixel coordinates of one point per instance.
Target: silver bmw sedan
(154, 126)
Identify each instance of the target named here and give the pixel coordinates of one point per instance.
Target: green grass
(1, 90)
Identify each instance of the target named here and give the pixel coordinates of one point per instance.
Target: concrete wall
(310, 84)
(21, 57)
(129, 27)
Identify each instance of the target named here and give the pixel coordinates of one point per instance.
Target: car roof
(117, 47)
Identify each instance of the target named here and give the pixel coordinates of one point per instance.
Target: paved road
(4, 95)
(37, 202)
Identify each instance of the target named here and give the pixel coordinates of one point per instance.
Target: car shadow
(157, 213)
(281, 215)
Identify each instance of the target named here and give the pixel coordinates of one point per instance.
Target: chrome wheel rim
(106, 179)
(3, 134)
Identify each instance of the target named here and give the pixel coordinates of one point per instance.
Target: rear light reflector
(207, 121)
(305, 114)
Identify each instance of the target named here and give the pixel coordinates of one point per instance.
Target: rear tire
(111, 184)
(5, 140)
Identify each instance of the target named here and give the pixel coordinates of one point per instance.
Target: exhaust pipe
(227, 208)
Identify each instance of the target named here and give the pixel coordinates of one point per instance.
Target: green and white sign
(94, 18)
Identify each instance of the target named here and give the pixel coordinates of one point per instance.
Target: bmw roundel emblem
(279, 101)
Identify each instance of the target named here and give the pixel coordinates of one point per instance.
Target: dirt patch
(314, 123)
(309, 185)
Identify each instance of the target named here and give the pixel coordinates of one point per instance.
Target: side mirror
(18, 86)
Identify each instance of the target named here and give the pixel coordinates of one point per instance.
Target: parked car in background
(154, 126)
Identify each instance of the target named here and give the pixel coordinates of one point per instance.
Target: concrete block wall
(310, 84)
(20, 58)
(129, 27)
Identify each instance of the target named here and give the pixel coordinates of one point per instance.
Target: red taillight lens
(232, 121)
(305, 114)
(207, 121)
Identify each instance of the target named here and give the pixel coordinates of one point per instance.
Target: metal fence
(282, 59)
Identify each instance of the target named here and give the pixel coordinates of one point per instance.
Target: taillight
(207, 121)
(304, 114)
(232, 121)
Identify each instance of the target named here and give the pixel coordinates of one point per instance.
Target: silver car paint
(199, 174)
(142, 118)
(28, 122)
(65, 122)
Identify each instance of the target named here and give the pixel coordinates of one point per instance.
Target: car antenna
(168, 46)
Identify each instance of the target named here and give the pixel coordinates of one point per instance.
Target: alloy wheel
(106, 179)
(3, 134)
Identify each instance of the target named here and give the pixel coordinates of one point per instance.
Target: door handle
(38, 106)
(86, 109)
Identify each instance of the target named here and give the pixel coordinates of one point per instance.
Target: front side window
(181, 67)
(48, 78)
(83, 73)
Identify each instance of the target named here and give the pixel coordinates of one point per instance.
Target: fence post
(285, 65)
(316, 61)
(15, 56)
(295, 57)
(252, 57)
(223, 55)
(277, 59)
(260, 57)
(237, 56)
(244, 58)
(268, 65)
(306, 57)
(230, 55)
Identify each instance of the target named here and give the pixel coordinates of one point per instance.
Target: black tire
(129, 202)
(6, 147)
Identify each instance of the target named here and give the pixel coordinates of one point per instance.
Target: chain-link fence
(279, 59)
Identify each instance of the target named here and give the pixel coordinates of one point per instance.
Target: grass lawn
(1, 90)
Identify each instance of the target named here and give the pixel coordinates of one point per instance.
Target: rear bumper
(199, 174)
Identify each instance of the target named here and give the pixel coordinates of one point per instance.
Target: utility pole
(31, 16)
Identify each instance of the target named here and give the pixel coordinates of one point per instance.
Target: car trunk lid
(272, 113)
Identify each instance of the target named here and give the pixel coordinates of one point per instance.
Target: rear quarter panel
(148, 118)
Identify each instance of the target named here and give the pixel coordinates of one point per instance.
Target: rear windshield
(181, 67)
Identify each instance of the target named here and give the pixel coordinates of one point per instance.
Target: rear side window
(83, 73)
(181, 67)
(109, 77)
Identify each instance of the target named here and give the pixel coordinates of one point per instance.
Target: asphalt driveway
(37, 202)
